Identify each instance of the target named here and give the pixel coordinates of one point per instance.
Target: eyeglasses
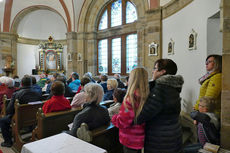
(207, 62)
(202, 106)
(155, 68)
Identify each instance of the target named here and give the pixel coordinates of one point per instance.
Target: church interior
(115, 36)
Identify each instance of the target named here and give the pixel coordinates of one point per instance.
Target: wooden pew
(53, 123)
(24, 118)
(5, 104)
(106, 137)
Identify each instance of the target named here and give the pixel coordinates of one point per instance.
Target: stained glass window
(103, 56)
(131, 52)
(116, 15)
(131, 13)
(116, 55)
(104, 21)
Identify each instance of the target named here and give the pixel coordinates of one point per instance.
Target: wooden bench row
(30, 118)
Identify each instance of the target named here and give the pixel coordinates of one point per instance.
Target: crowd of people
(146, 113)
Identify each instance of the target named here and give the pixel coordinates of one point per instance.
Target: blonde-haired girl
(132, 135)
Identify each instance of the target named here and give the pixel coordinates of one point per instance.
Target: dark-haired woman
(162, 109)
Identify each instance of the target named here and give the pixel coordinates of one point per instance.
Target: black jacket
(24, 95)
(161, 113)
(93, 115)
(211, 132)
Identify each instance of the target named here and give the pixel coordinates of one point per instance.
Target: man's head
(58, 88)
(26, 81)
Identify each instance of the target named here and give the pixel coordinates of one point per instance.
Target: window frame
(123, 36)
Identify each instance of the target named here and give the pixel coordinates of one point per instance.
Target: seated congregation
(116, 116)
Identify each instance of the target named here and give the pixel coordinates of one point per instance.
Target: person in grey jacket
(93, 114)
(162, 109)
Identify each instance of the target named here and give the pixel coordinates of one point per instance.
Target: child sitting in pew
(118, 97)
(207, 125)
(57, 102)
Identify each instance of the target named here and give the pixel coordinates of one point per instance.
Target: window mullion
(123, 12)
(109, 16)
(109, 56)
(123, 54)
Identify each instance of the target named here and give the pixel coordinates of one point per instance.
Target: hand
(195, 122)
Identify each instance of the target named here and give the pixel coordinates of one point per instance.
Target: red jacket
(55, 104)
(4, 90)
(130, 135)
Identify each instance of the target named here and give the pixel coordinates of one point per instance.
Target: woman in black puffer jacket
(162, 109)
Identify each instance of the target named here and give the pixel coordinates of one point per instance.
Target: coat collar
(175, 81)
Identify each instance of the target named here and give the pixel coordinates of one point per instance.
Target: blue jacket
(74, 85)
(108, 95)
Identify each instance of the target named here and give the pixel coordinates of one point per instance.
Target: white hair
(7, 81)
(94, 92)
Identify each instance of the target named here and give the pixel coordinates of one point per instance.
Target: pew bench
(4, 106)
(106, 137)
(53, 123)
(23, 121)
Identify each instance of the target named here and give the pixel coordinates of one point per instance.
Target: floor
(5, 149)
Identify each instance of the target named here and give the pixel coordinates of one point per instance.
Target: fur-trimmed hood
(175, 81)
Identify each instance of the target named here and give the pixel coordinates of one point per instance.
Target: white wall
(191, 64)
(26, 59)
(41, 24)
(214, 37)
(163, 2)
(2, 9)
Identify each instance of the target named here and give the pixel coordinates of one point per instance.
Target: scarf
(206, 76)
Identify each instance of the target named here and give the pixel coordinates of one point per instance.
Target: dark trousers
(5, 127)
(129, 150)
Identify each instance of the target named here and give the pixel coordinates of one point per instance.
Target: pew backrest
(106, 137)
(24, 117)
(5, 104)
(53, 123)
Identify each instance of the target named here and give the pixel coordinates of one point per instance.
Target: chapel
(115, 36)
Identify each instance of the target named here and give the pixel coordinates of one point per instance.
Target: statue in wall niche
(9, 62)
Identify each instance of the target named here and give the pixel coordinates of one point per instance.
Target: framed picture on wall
(69, 57)
(153, 49)
(192, 40)
(171, 47)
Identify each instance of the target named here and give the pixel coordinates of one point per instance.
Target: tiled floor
(5, 149)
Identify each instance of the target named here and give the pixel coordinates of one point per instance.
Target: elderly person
(6, 88)
(211, 81)
(162, 109)
(90, 76)
(93, 114)
(103, 82)
(79, 98)
(25, 95)
(118, 78)
(111, 86)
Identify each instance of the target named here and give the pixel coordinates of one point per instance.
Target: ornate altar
(50, 57)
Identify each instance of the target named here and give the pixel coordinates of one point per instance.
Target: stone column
(72, 66)
(8, 47)
(225, 97)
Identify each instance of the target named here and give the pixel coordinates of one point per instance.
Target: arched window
(117, 48)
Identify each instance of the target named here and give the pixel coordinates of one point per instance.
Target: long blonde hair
(138, 82)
